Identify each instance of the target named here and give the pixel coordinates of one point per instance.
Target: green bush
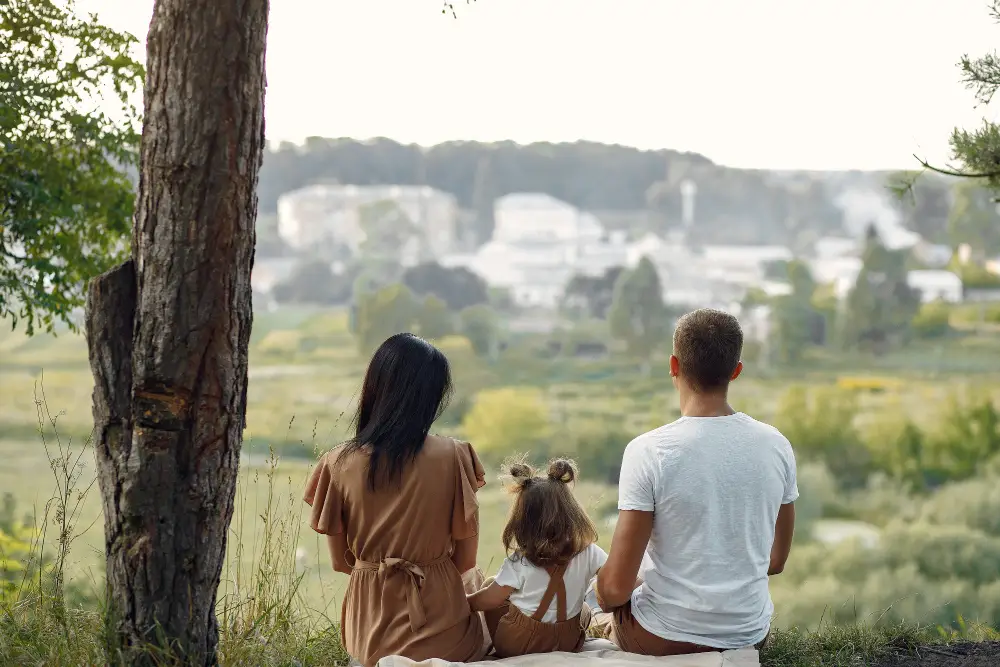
(932, 320)
(974, 503)
(968, 437)
(820, 425)
(20, 563)
(508, 420)
(598, 446)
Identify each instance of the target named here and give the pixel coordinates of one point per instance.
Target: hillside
(753, 205)
(841, 601)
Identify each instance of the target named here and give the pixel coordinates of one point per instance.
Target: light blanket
(596, 653)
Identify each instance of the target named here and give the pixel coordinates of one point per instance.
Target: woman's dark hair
(406, 387)
(547, 526)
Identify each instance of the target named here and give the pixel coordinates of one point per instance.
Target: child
(535, 603)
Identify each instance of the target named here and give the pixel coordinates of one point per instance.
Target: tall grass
(263, 619)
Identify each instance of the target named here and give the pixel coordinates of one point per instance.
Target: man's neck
(694, 404)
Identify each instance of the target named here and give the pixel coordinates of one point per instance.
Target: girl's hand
(491, 597)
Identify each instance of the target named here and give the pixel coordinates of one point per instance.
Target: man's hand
(784, 529)
(617, 579)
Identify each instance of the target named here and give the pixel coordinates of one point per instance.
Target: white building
(710, 276)
(539, 243)
(932, 285)
(936, 285)
(536, 217)
(835, 247)
(936, 256)
(833, 270)
(329, 215)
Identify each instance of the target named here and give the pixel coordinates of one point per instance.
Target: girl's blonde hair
(546, 525)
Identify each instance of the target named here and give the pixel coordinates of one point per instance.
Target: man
(710, 496)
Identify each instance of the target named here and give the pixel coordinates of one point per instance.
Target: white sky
(805, 84)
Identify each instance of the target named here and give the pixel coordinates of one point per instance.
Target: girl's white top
(529, 582)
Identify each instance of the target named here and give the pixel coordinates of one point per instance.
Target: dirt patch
(963, 654)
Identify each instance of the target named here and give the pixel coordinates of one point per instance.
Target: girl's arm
(491, 597)
(638, 583)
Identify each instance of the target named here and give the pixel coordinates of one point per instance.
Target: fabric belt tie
(388, 567)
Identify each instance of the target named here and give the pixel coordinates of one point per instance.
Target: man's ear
(675, 366)
(736, 373)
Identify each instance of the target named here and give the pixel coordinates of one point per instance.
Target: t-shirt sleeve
(598, 557)
(469, 478)
(323, 496)
(638, 478)
(791, 491)
(510, 575)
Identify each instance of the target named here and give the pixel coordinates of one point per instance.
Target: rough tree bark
(168, 331)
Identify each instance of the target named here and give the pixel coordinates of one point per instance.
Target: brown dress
(405, 596)
(515, 634)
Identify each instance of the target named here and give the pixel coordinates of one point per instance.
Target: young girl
(535, 604)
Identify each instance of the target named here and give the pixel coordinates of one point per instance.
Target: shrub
(19, 566)
(598, 447)
(820, 426)
(507, 420)
(932, 320)
(974, 503)
(969, 436)
(280, 343)
(901, 450)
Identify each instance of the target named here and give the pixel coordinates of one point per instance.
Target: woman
(399, 508)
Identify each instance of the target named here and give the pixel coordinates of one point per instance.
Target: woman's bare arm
(465, 554)
(338, 552)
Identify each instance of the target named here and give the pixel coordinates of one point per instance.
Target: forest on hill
(736, 205)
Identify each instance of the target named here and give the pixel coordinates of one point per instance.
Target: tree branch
(953, 172)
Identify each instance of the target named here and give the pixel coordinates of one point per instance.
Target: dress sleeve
(469, 478)
(323, 496)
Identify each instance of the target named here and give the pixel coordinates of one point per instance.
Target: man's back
(715, 485)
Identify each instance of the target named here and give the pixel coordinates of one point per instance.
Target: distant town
(539, 244)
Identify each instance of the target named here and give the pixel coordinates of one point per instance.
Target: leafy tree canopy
(882, 305)
(481, 326)
(458, 287)
(638, 316)
(66, 203)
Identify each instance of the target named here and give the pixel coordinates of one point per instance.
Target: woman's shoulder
(338, 458)
(444, 442)
(442, 446)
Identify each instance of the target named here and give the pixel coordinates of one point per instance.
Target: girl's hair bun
(562, 470)
(519, 472)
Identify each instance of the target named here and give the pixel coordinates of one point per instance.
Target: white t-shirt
(529, 582)
(714, 485)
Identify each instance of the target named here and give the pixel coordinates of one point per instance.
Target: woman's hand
(489, 598)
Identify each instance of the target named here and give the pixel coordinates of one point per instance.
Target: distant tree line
(591, 176)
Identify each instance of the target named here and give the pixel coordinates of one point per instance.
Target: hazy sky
(823, 84)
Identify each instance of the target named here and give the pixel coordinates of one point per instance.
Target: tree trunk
(168, 331)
